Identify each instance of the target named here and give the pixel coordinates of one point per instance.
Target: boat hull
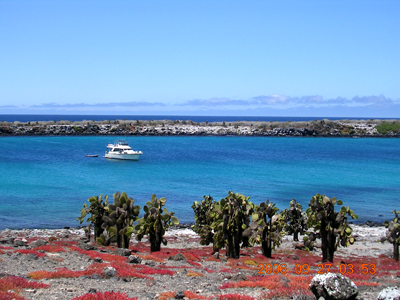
(122, 156)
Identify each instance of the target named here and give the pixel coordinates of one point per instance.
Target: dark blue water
(44, 181)
(197, 119)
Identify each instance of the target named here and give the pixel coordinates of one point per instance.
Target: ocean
(44, 181)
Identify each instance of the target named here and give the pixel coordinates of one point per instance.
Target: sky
(245, 58)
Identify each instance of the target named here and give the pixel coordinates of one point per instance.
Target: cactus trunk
(331, 247)
(324, 241)
(97, 226)
(396, 251)
(229, 248)
(88, 232)
(233, 245)
(230, 252)
(267, 249)
(236, 243)
(266, 242)
(327, 243)
(155, 242)
(119, 238)
(126, 241)
(215, 248)
(296, 236)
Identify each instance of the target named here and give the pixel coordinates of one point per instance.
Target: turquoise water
(44, 181)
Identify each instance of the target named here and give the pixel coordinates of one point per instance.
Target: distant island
(321, 128)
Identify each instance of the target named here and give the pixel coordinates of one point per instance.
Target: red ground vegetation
(26, 251)
(235, 297)
(50, 248)
(104, 296)
(15, 284)
(61, 273)
(194, 274)
(285, 274)
(6, 248)
(66, 243)
(103, 256)
(192, 295)
(166, 295)
(10, 296)
(278, 285)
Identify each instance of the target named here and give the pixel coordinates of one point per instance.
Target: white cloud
(214, 102)
(109, 104)
(372, 100)
(271, 100)
(273, 105)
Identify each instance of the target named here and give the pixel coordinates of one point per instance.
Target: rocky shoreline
(63, 264)
(322, 128)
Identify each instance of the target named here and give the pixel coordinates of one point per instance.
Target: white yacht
(121, 150)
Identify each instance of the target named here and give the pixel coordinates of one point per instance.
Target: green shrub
(78, 129)
(386, 127)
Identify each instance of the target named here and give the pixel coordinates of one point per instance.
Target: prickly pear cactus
(232, 217)
(332, 227)
(96, 209)
(266, 227)
(204, 216)
(155, 221)
(295, 219)
(393, 234)
(119, 220)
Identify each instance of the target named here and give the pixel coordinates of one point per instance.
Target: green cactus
(106, 238)
(231, 218)
(96, 209)
(332, 227)
(204, 216)
(154, 223)
(119, 219)
(295, 219)
(393, 234)
(266, 227)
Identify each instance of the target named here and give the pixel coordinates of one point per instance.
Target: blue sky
(250, 58)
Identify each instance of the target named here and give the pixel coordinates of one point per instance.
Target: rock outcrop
(332, 286)
(390, 293)
(174, 128)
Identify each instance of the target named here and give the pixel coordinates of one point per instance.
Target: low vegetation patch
(10, 286)
(386, 127)
(104, 296)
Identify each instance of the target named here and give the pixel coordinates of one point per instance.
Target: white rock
(389, 293)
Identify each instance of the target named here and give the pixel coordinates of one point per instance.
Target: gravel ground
(187, 276)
